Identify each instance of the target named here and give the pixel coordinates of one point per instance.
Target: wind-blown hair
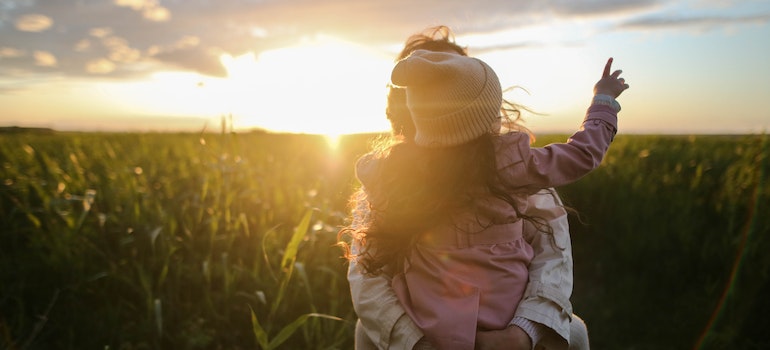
(417, 188)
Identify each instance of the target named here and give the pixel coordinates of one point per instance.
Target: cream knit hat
(453, 99)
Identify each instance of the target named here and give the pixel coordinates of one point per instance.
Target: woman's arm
(383, 319)
(546, 300)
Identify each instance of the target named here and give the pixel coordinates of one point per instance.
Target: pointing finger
(607, 68)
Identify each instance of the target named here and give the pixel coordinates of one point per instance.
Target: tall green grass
(226, 241)
(671, 251)
(171, 241)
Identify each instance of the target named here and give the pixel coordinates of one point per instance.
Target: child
(447, 210)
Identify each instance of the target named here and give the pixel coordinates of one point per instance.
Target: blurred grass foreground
(226, 241)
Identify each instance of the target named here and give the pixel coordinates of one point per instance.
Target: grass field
(226, 241)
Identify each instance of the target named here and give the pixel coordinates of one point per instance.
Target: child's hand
(610, 84)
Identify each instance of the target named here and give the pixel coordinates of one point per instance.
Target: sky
(321, 66)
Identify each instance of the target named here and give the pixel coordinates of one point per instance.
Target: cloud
(150, 9)
(9, 52)
(44, 59)
(134, 4)
(694, 22)
(100, 66)
(33, 23)
(119, 49)
(157, 14)
(82, 45)
(187, 42)
(600, 7)
(205, 61)
(100, 32)
(139, 37)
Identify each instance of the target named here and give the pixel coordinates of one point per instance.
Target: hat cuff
(458, 127)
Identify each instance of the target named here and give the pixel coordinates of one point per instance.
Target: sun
(321, 86)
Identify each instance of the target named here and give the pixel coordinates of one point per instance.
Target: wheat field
(226, 241)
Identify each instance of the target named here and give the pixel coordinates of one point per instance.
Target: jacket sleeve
(559, 163)
(382, 317)
(546, 299)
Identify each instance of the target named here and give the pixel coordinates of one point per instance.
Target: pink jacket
(471, 275)
(384, 324)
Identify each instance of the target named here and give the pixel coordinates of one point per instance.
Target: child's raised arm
(562, 163)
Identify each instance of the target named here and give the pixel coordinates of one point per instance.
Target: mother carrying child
(450, 222)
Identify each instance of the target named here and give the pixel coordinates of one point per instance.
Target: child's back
(465, 263)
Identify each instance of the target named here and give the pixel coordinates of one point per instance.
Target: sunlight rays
(321, 86)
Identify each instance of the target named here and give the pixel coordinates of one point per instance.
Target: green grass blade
(259, 333)
(287, 331)
(290, 253)
(266, 255)
(289, 256)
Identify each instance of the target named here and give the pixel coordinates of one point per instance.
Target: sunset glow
(314, 68)
(322, 86)
(339, 91)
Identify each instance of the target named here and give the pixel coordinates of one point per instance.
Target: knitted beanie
(453, 99)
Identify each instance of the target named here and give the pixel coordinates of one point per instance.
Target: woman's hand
(511, 338)
(610, 84)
